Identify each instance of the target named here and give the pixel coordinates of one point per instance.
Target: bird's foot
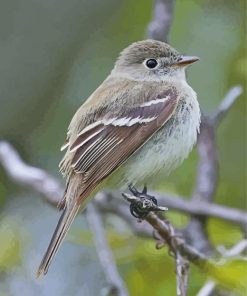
(141, 203)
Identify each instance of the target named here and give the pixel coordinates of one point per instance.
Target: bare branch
(142, 206)
(166, 231)
(226, 104)
(111, 202)
(24, 174)
(159, 27)
(179, 249)
(202, 208)
(206, 182)
(207, 289)
(117, 286)
(42, 182)
(236, 250)
(182, 273)
(207, 170)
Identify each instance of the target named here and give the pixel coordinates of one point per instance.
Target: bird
(135, 128)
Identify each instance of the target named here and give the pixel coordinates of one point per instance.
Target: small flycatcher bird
(139, 124)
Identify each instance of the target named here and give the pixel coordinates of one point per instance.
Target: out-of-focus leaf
(177, 219)
(223, 233)
(2, 193)
(241, 67)
(230, 273)
(10, 245)
(79, 237)
(4, 294)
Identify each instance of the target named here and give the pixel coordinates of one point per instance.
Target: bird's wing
(102, 146)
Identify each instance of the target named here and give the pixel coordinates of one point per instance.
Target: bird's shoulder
(115, 96)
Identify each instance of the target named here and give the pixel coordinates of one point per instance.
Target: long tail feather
(63, 225)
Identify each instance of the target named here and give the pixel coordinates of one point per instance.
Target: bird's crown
(139, 51)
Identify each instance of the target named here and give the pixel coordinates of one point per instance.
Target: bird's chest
(167, 148)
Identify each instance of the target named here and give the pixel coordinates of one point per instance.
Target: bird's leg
(141, 203)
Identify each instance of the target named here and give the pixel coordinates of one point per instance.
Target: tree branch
(207, 170)
(111, 202)
(179, 248)
(24, 174)
(52, 191)
(206, 182)
(159, 27)
(226, 104)
(117, 286)
(207, 289)
(144, 206)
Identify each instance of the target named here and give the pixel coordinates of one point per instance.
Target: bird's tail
(63, 225)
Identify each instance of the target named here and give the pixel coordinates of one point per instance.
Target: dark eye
(151, 63)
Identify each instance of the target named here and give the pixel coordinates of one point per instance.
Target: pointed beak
(186, 60)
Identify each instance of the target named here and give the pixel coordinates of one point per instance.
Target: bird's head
(152, 60)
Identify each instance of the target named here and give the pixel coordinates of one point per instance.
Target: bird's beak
(186, 60)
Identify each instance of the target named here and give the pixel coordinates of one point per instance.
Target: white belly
(165, 150)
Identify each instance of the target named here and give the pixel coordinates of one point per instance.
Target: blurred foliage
(138, 259)
(53, 55)
(10, 247)
(231, 274)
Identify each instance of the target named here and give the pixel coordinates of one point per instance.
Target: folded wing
(103, 146)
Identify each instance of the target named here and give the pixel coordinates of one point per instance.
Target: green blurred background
(53, 55)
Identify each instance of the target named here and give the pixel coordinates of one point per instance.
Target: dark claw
(142, 194)
(154, 200)
(133, 190)
(145, 189)
(132, 211)
(143, 203)
(137, 211)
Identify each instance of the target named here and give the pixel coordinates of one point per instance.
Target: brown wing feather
(96, 163)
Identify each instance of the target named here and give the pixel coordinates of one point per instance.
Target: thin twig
(226, 104)
(116, 284)
(166, 231)
(111, 202)
(239, 248)
(179, 248)
(182, 272)
(207, 289)
(142, 206)
(159, 27)
(206, 182)
(207, 170)
(22, 173)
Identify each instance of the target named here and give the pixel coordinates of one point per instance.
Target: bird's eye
(151, 63)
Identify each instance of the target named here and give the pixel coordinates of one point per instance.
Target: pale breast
(166, 149)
